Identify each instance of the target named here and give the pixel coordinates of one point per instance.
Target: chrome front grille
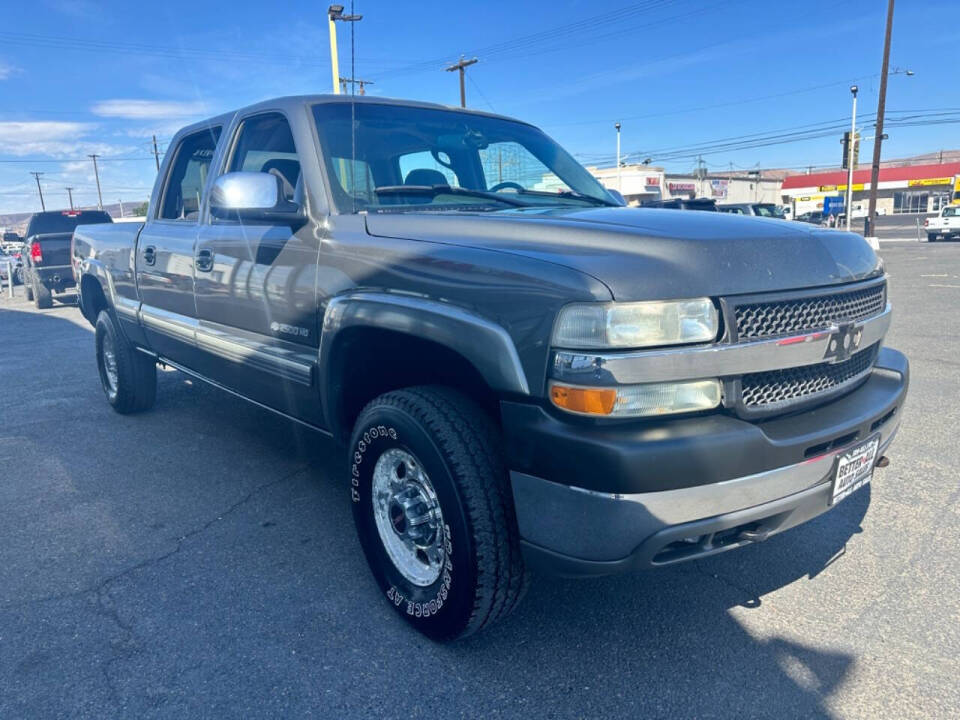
(777, 318)
(777, 388)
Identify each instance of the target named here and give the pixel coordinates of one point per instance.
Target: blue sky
(78, 77)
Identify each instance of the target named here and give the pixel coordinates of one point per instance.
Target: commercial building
(642, 183)
(901, 190)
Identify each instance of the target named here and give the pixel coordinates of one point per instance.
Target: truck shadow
(666, 643)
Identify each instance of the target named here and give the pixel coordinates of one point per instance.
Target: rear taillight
(926, 223)
(36, 254)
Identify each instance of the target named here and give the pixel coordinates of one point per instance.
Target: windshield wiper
(434, 190)
(572, 194)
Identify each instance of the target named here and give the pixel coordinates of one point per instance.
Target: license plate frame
(853, 468)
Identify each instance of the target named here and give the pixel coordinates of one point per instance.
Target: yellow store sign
(922, 182)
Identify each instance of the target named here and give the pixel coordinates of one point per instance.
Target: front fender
(484, 343)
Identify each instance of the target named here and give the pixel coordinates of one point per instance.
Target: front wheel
(129, 377)
(434, 512)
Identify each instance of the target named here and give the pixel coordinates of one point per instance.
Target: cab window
(265, 144)
(188, 176)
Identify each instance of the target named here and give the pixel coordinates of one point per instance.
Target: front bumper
(606, 499)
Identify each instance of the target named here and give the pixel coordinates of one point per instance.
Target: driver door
(256, 285)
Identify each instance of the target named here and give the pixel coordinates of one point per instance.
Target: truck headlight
(635, 324)
(637, 400)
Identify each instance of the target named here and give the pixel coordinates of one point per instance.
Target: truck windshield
(412, 158)
(64, 222)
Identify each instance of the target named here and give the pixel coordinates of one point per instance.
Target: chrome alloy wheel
(408, 517)
(110, 365)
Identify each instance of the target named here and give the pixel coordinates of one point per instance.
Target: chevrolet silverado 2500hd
(523, 373)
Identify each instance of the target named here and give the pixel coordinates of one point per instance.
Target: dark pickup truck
(522, 372)
(46, 252)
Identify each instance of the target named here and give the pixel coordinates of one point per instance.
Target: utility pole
(36, 176)
(334, 13)
(70, 195)
(848, 204)
(120, 200)
(619, 178)
(96, 174)
(462, 65)
(869, 229)
(156, 153)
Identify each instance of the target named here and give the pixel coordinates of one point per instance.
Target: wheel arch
(376, 342)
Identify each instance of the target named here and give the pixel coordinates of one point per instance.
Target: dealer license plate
(854, 468)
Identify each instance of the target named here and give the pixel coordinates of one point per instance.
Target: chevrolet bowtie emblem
(844, 342)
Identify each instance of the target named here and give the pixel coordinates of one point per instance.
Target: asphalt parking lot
(199, 560)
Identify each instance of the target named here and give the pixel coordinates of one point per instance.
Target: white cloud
(148, 109)
(41, 137)
(7, 70)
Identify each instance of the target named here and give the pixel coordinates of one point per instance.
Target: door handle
(204, 260)
(149, 254)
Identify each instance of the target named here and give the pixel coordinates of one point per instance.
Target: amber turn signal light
(589, 401)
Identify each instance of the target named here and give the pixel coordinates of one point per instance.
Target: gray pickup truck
(522, 373)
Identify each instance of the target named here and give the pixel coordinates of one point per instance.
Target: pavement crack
(98, 588)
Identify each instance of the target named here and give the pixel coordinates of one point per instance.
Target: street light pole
(869, 229)
(619, 178)
(70, 195)
(334, 13)
(850, 146)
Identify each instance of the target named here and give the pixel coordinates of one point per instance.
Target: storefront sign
(682, 187)
(923, 182)
(718, 188)
(652, 182)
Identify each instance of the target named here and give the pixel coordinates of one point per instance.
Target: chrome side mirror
(252, 196)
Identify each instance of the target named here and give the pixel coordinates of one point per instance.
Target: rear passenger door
(256, 284)
(165, 249)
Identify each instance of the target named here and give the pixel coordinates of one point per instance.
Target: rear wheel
(931, 237)
(42, 297)
(129, 377)
(434, 511)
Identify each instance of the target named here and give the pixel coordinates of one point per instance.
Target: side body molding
(484, 343)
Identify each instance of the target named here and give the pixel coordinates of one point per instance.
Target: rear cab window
(187, 176)
(65, 221)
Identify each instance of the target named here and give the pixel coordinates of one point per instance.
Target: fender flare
(485, 344)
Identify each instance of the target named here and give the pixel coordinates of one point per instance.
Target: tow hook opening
(882, 461)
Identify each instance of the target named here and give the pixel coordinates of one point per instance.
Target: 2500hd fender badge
(284, 329)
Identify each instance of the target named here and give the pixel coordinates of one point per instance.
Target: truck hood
(644, 254)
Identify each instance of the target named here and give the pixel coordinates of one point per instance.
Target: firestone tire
(42, 297)
(441, 456)
(129, 377)
(931, 237)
